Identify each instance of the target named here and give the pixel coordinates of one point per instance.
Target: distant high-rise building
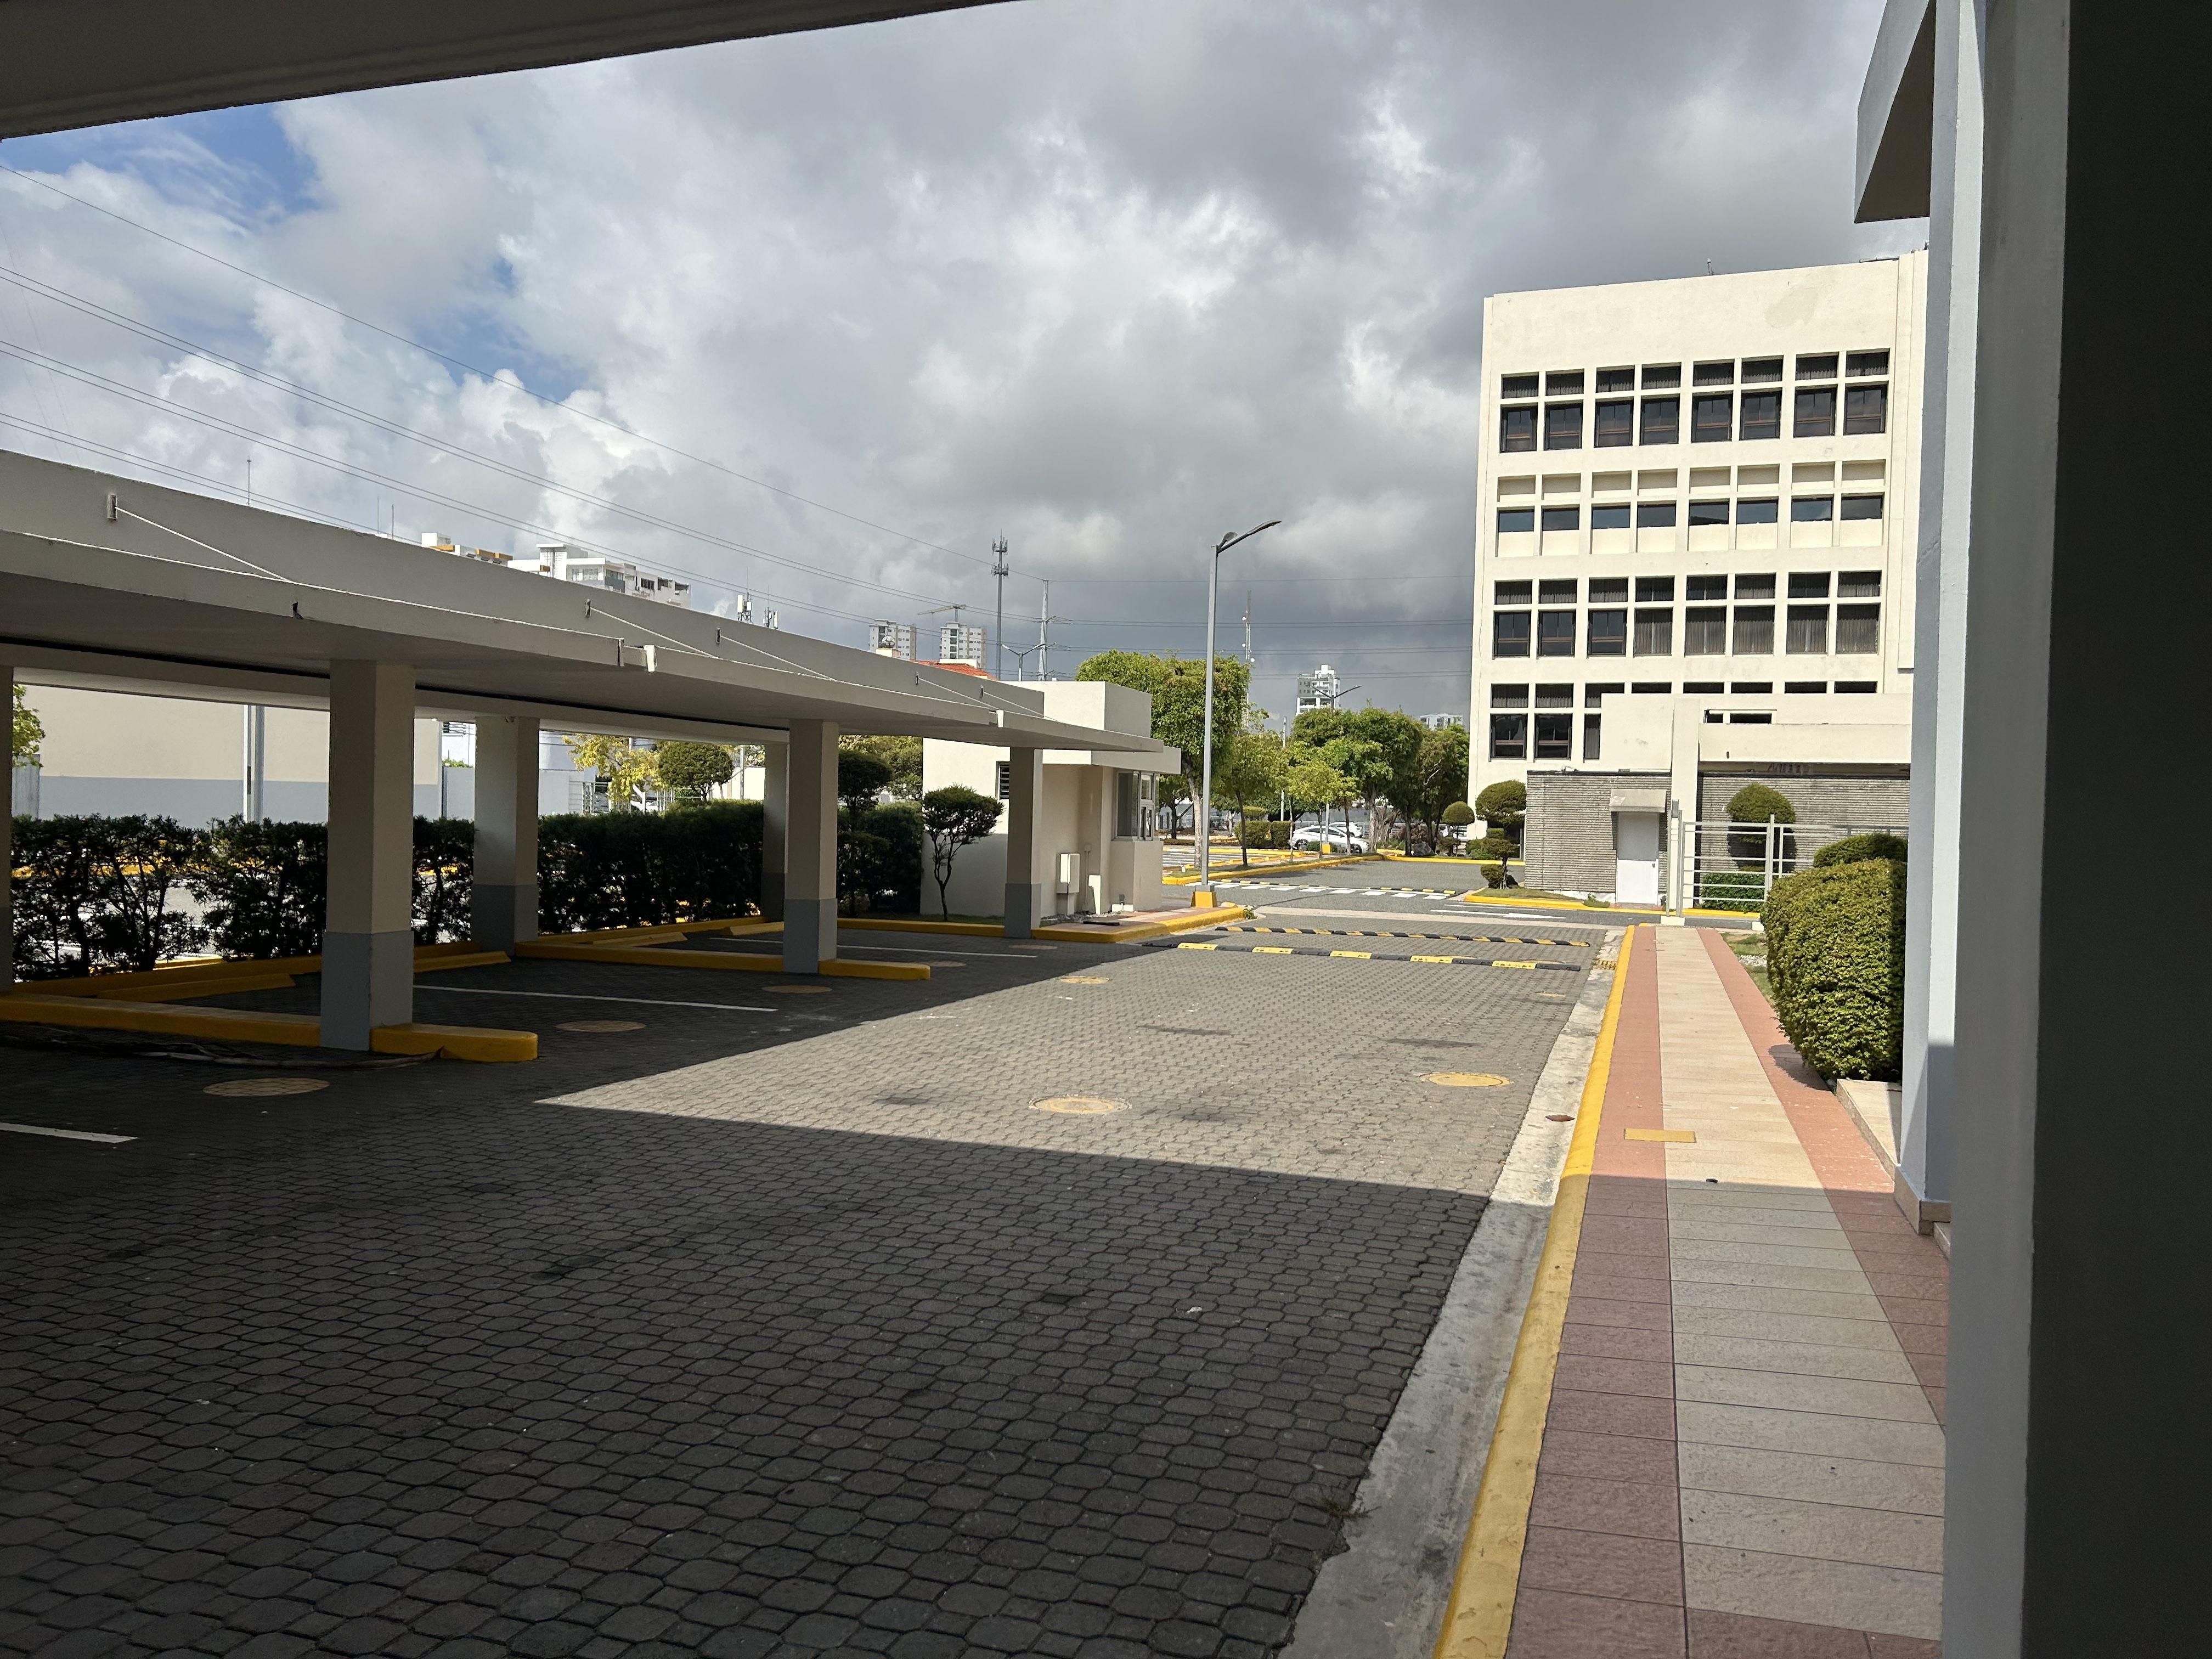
(615, 575)
(962, 642)
(1319, 690)
(892, 638)
(1441, 722)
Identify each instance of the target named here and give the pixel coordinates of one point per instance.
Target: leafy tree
(629, 771)
(902, 756)
(860, 778)
(1435, 781)
(693, 769)
(1503, 805)
(1314, 777)
(1458, 815)
(952, 818)
(1253, 768)
(25, 734)
(1177, 687)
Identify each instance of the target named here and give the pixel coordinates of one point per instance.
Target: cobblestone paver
(746, 1333)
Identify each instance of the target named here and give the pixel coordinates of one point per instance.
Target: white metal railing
(1715, 864)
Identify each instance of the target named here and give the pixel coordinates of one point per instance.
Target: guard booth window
(1134, 808)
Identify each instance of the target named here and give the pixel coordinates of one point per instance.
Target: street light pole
(1203, 896)
(999, 633)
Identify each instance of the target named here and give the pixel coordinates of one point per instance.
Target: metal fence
(1721, 865)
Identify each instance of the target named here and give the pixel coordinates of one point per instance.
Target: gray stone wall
(1865, 802)
(1568, 841)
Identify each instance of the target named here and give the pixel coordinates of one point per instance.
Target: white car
(1313, 837)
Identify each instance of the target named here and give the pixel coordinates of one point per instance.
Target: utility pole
(1202, 895)
(1248, 627)
(999, 632)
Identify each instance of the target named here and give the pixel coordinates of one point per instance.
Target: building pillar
(1024, 802)
(503, 899)
(810, 864)
(369, 941)
(776, 823)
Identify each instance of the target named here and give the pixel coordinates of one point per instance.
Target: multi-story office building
(1693, 558)
(1319, 690)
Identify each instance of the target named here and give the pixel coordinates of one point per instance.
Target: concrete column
(503, 900)
(1024, 881)
(369, 941)
(1939, 653)
(809, 863)
(776, 823)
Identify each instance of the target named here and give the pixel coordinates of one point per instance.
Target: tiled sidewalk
(1743, 1455)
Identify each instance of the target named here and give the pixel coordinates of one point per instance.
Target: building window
(1563, 426)
(1612, 515)
(1808, 584)
(1608, 633)
(1592, 736)
(1661, 377)
(1752, 688)
(1508, 696)
(1848, 686)
(1558, 593)
(1662, 421)
(1555, 633)
(1812, 509)
(1555, 737)
(1758, 370)
(1821, 366)
(1805, 687)
(1704, 630)
(1517, 385)
(1758, 512)
(1655, 633)
(1861, 363)
(1563, 517)
(1594, 695)
(1851, 585)
(1555, 697)
(1509, 737)
(1517, 428)
(1654, 589)
(1695, 588)
(1655, 515)
(1751, 720)
(1708, 512)
(1564, 383)
(1746, 588)
(1711, 418)
(1508, 634)
(1613, 425)
(1006, 779)
(1866, 408)
(1608, 589)
(1815, 414)
(1858, 630)
(1808, 631)
(1715, 374)
(1762, 415)
(1754, 630)
(1652, 688)
(1616, 380)
(1862, 506)
(1513, 519)
(1705, 688)
(1513, 592)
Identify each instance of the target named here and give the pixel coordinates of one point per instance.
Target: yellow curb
(478, 1043)
(249, 1025)
(838, 967)
(460, 959)
(1500, 895)
(1480, 1618)
(183, 990)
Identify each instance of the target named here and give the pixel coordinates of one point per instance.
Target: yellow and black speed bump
(1356, 956)
(1379, 933)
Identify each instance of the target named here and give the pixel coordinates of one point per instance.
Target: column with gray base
(503, 898)
(775, 816)
(1024, 887)
(810, 850)
(369, 941)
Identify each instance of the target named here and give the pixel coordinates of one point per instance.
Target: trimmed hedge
(1835, 956)
(1267, 834)
(1732, 890)
(1854, 849)
(263, 885)
(92, 895)
(647, 869)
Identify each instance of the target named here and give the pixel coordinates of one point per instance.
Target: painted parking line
(1358, 956)
(65, 1135)
(1385, 932)
(579, 996)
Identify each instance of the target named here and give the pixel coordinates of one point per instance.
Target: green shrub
(1755, 803)
(1503, 806)
(1835, 956)
(264, 887)
(879, 861)
(1458, 815)
(92, 895)
(1854, 849)
(689, 770)
(1732, 890)
(1494, 846)
(644, 869)
(1270, 833)
(445, 878)
(1495, 874)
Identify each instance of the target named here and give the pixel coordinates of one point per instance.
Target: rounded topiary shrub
(1856, 850)
(1755, 803)
(1835, 956)
(1502, 805)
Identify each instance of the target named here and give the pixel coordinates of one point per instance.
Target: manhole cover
(254, 1088)
(1083, 979)
(1080, 1105)
(1467, 1081)
(799, 990)
(596, 1025)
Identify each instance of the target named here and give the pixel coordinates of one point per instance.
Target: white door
(1636, 858)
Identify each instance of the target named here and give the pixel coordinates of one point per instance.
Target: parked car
(1312, 837)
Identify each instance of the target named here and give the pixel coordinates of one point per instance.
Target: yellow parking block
(1186, 945)
(1435, 958)
(1273, 951)
(1513, 964)
(1363, 956)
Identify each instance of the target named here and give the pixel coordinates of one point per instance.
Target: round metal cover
(256, 1088)
(1468, 1079)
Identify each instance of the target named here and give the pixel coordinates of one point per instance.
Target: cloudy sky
(815, 318)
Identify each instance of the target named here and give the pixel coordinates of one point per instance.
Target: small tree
(693, 769)
(860, 778)
(1755, 804)
(952, 818)
(1503, 806)
(1313, 778)
(900, 755)
(1457, 817)
(25, 733)
(1254, 767)
(629, 771)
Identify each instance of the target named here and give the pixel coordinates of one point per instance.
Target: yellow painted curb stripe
(1187, 946)
(1513, 964)
(1364, 956)
(1273, 951)
(1479, 1617)
(1435, 958)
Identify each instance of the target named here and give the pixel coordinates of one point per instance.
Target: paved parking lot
(785, 1325)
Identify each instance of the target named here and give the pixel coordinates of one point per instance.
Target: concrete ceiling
(87, 63)
(1897, 115)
